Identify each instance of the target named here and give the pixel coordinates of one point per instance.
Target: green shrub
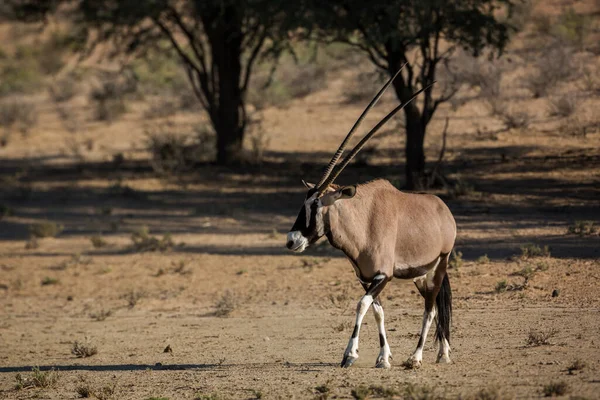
(531, 250)
(583, 228)
(45, 229)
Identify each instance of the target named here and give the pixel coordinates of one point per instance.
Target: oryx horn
(364, 140)
(340, 150)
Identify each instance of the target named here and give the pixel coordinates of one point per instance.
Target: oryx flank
(385, 233)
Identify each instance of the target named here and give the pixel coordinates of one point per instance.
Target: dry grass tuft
(540, 338)
(583, 228)
(98, 241)
(556, 389)
(18, 114)
(101, 315)
(142, 241)
(226, 303)
(133, 297)
(45, 229)
(49, 281)
(83, 350)
(530, 250)
(84, 391)
(577, 365)
(552, 67)
(484, 259)
(39, 379)
(562, 106)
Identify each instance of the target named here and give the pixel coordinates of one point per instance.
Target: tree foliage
(217, 41)
(421, 34)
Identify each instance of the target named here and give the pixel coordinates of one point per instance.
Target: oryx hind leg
(376, 286)
(429, 286)
(444, 307)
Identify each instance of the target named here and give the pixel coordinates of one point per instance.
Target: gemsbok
(385, 233)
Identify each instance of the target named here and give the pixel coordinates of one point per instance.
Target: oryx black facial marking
(309, 226)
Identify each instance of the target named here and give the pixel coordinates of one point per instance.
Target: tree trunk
(415, 134)
(228, 117)
(415, 153)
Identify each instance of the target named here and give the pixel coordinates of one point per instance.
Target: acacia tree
(217, 41)
(421, 34)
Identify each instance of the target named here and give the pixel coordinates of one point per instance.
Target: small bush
(101, 315)
(540, 338)
(108, 96)
(83, 350)
(363, 88)
(106, 392)
(488, 394)
(45, 229)
(572, 27)
(501, 286)
(322, 392)
(577, 365)
(174, 152)
(32, 243)
(49, 281)
(98, 241)
(168, 152)
(226, 303)
(133, 297)
(556, 389)
(456, 260)
(583, 228)
(526, 272)
(63, 89)
(18, 114)
(414, 392)
(553, 67)
(142, 241)
(259, 142)
(460, 188)
(576, 126)
(531, 250)
(163, 107)
(484, 259)
(562, 106)
(360, 392)
(515, 119)
(5, 211)
(39, 379)
(84, 391)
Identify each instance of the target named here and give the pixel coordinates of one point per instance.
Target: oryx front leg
(377, 285)
(383, 360)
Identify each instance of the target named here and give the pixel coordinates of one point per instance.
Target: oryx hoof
(348, 360)
(412, 363)
(443, 359)
(382, 363)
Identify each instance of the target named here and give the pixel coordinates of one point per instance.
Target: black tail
(443, 302)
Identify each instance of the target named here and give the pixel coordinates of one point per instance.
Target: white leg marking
(351, 353)
(417, 358)
(444, 353)
(384, 351)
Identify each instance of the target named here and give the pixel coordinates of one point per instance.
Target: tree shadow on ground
(263, 199)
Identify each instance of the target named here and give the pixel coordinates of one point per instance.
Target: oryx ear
(346, 192)
(308, 185)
